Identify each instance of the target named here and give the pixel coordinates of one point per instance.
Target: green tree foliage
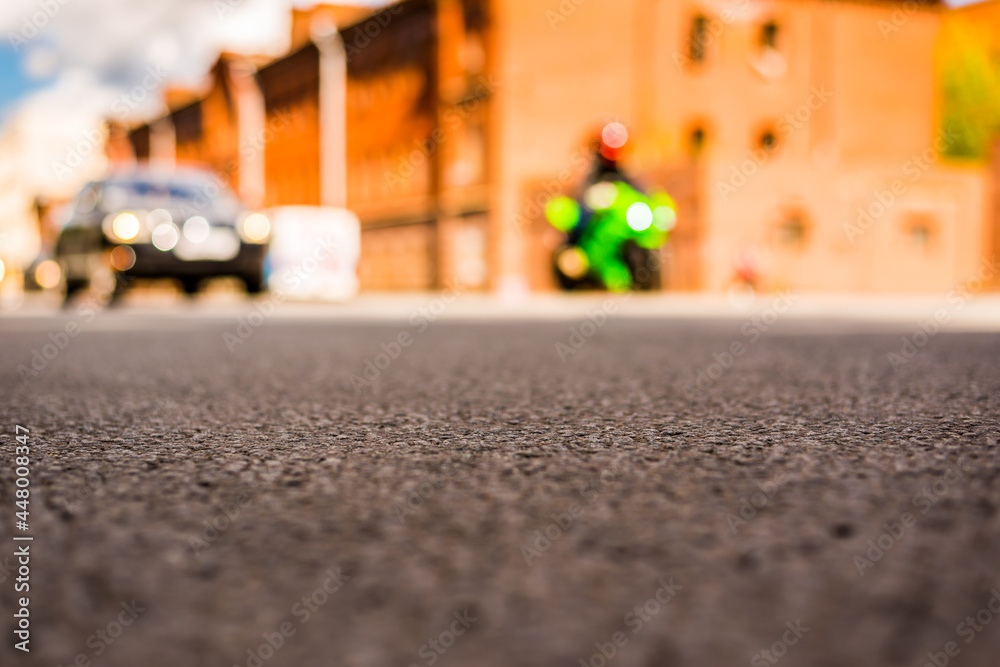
(969, 75)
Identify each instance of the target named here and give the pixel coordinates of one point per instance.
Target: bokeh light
(639, 216)
(125, 226)
(601, 195)
(664, 218)
(563, 213)
(48, 274)
(257, 227)
(122, 258)
(614, 135)
(196, 229)
(166, 236)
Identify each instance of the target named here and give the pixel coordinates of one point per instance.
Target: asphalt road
(484, 502)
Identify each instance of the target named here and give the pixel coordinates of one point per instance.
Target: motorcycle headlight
(255, 228)
(639, 216)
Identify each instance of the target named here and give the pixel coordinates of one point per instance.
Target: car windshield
(201, 194)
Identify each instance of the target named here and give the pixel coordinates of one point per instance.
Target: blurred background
(811, 145)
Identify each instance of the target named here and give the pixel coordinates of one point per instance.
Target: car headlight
(125, 226)
(255, 228)
(197, 229)
(165, 236)
(122, 227)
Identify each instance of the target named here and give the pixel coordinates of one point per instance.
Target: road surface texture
(503, 493)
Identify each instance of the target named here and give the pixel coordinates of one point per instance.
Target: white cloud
(98, 50)
(116, 40)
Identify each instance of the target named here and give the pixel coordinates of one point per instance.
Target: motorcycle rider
(608, 148)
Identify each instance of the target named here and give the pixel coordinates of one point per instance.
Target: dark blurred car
(154, 223)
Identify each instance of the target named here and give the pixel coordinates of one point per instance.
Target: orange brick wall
(566, 69)
(292, 156)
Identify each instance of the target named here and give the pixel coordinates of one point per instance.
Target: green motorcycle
(612, 237)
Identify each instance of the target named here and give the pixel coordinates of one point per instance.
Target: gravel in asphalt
(483, 502)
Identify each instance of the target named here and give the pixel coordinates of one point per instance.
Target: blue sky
(13, 82)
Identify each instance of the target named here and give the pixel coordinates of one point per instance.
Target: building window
(769, 59)
(188, 125)
(696, 140)
(769, 35)
(792, 231)
(920, 230)
(698, 39)
(920, 235)
(767, 140)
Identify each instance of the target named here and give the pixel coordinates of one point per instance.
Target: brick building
(412, 163)
(221, 125)
(802, 137)
(801, 118)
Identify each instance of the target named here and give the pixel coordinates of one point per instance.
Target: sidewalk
(979, 313)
